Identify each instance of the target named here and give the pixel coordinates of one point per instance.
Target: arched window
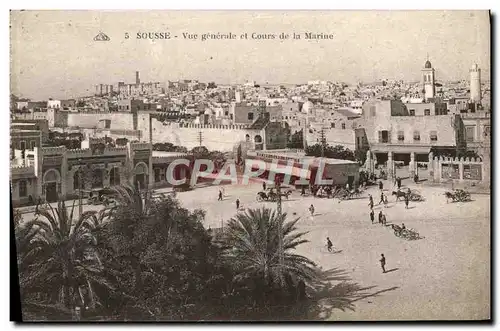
(247, 137)
(51, 176)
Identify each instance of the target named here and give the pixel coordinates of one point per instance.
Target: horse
(262, 196)
(398, 194)
(449, 195)
(287, 193)
(357, 192)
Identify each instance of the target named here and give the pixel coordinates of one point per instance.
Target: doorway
(51, 192)
(140, 181)
(350, 180)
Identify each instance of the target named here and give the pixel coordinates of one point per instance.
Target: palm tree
(58, 260)
(131, 198)
(131, 207)
(251, 241)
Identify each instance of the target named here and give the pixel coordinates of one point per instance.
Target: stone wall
(448, 169)
(119, 120)
(213, 137)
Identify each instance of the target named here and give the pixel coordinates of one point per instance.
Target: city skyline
(52, 53)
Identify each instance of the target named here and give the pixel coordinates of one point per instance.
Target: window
(412, 112)
(97, 178)
(401, 136)
(433, 135)
(427, 112)
(23, 190)
(114, 176)
(486, 131)
(383, 137)
(332, 125)
(22, 145)
(76, 179)
(250, 116)
(157, 175)
(469, 133)
(343, 126)
(33, 144)
(416, 136)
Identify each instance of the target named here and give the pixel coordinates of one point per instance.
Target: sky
(54, 55)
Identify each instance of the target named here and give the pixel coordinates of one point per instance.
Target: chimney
(137, 80)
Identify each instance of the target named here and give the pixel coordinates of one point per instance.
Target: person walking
(399, 183)
(311, 210)
(386, 201)
(381, 198)
(372, 216)
(382, 263)
(303, 192)
(384, 220)
(380, 185)
(407, 200)
(220, 195)
(329, 244)
(380, 217)
(263, 186)
(237, 204)
(370, 203)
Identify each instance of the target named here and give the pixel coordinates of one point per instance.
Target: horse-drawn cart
(408, 234)
(458, 195)
(345, 194)
(272, 196)
(415, 195)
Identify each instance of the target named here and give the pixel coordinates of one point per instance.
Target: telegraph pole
(323, 140)
(200, 138)
(80, 207)
(280, 230)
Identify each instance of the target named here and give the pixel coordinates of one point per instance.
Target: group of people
(382, 219)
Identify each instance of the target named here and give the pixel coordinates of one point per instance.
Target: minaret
(428, 76)
(137, 80)
(475, 84)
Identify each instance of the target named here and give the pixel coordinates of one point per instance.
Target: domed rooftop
(428, 64)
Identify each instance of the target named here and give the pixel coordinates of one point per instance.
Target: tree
(251, 242)
(200, 152)
(164, 257)
(57, 257)
(122, 142)
(336, 152)
(169, 147)
(360, 154)
(296, 140)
